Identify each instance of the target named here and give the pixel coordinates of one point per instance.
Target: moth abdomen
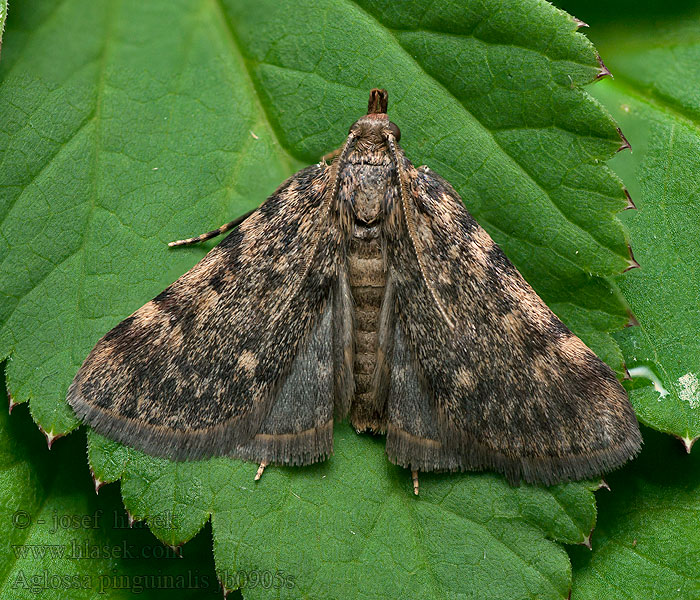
(367, 279)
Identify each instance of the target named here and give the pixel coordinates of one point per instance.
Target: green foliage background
(124, 125)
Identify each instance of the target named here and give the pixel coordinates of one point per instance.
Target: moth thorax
(368, 190)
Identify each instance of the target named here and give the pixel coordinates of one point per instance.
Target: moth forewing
(360, 288)
(509, 388)
(207, 367)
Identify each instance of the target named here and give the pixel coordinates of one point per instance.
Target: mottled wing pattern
(508, 387)
(236, 356)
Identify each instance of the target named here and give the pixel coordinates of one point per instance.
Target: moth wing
(235, 357)
(484, 375)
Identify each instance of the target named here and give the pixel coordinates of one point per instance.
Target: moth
(364, 289)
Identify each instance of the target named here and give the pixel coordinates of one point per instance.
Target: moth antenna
(411, 226)
(334, 182)
(261, 468)
(212, 234)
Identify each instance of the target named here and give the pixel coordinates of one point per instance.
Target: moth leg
(331, 155)
(414, 475)
(261, 468)
(212, 234)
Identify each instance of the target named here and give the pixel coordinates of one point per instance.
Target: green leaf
(124, 125)
(61, 540)
(3, 17)
(654, 98)
(646, 544)
(353, 519)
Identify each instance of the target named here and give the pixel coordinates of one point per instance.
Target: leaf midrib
(237, 51)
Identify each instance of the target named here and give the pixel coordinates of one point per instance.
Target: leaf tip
(579, 23)
(625, 142)
(224, 590)
(687, 442)
(96, 480)
(131, 519)
(50, 436)
(587, 541)
(603, 71)
(11, 402)
(176, 548)
(603, 485)
(631, 263)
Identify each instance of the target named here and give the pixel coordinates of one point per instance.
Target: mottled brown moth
(360, 288)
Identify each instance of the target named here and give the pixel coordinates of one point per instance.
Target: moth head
(375, 128)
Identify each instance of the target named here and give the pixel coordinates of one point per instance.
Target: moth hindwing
(360, 288)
